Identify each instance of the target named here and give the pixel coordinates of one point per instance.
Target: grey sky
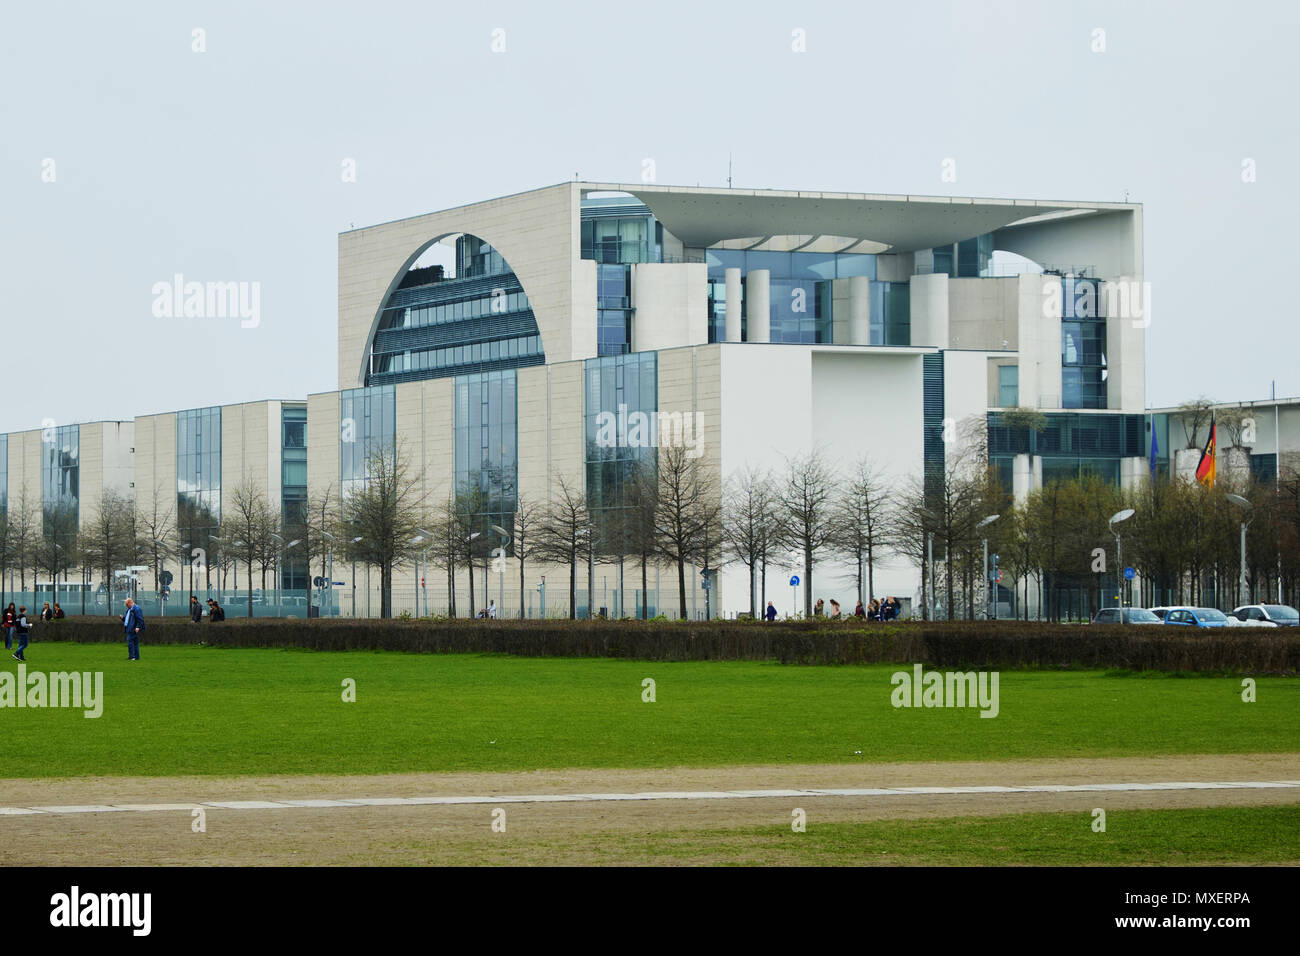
(226, 165)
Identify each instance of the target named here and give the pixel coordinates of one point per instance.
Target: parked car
(1132, 615)
(1159, 612)
(1198, 617)
(1267, 615)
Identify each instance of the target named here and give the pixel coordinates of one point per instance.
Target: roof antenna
(1126, 195)
(728, 170)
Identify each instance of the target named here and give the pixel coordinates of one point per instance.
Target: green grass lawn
(1190, 837)
(194, 710)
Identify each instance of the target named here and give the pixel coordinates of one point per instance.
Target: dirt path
(605, 832)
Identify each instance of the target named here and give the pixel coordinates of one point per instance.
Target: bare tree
(247, 529)
(639, 522)
(1192, 415)
(385, 513)
(861, 516)
(24, 525)
(564, 535)
(806, 512)
(525, 539)
(155, 525)
(56, 547)
(108, 537)
(687, 515)
(746, 524)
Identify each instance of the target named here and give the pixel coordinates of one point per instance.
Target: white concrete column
(929, 301)
(859, 310)
(733, 305)
(758, 312)
(1022, 478)
(1127, 305)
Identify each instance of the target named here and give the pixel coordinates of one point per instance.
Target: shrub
(992, 644)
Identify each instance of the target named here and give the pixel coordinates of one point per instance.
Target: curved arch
(536, 232)
(498, 274)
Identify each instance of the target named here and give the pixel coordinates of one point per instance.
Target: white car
(1266, 615)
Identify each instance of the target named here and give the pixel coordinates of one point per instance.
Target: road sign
(794, 580)
(318, 581)
(1129, 574)
(165, 578)
(339, 584)
(997, 578)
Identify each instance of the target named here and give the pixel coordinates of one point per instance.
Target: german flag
(1205, 470)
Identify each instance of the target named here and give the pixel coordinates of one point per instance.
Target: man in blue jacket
(133, 622)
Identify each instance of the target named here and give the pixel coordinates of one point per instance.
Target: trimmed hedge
(955, 644)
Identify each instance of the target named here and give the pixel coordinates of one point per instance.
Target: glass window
(1008, 386)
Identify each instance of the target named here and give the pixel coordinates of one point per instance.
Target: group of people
(18, 628)
(215, 611)
(877, 610)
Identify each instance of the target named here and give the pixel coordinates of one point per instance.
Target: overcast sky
(227, 165)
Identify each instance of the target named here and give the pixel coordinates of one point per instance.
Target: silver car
(1132, 615)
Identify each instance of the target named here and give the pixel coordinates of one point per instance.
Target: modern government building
(748, 325)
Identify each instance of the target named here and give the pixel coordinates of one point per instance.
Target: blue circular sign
(1129, 574)
(794, 580)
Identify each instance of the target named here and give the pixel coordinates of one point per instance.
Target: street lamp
(1117, 518)
(329, 582)
(984, 523)
(240, 544)
(425, 536)
(501, 572)
(279, 569)
(1248, 509)
(357, 540)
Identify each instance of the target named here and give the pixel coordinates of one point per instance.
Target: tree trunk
(681, 583)
(573, 585)
(645, 592)
(808, 583)
(386, 590)
(470, 566)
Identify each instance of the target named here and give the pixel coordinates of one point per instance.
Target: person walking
(859, 611)
(196, 610)
(492, 609)
(58, 612)
(9, 623)
(835, 610)
(818, 607)
(133, 623)
(770, 613)
(47, 613)
(22, 628)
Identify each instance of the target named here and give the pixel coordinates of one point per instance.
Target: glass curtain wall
(198, 497)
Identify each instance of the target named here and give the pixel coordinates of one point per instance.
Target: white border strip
(646, 795)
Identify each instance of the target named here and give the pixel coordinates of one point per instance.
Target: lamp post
(929, 561)
(329, 581)
(1248, 515)
(1117, 518)
(279, 569)
(501, 571)
(419, 539)
(354, 542)
(469, 567)
(984, 523)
